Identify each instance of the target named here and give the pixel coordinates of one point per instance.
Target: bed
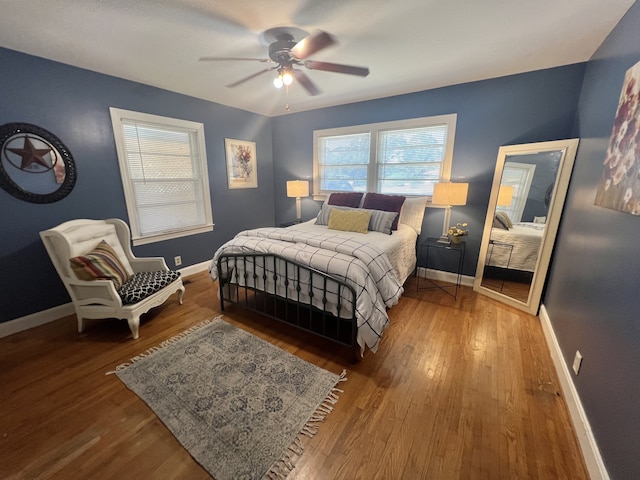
(334, 283)
(516, 248)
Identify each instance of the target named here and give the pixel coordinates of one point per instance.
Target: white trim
(522, 186)
(36, 319)
(442, 276)
(195, 130)
(170, 235)
(373, 130)
(588, 446)
(196, 268)
(56, 313)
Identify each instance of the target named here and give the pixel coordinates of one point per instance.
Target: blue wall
(524, 108)
(592, 297)
(74, 104)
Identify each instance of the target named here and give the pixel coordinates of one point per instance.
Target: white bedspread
(516, 248)
(361, 264)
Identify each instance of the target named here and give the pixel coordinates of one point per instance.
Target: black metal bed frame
(243, 278)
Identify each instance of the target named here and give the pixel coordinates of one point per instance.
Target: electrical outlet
(177, 260)
(577, 361)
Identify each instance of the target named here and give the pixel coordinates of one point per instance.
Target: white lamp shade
(450, 193)
(505, 195)
(297, 188)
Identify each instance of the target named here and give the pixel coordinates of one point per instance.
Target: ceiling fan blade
(312, 44)
(337, 68)
(235, 84)
(306, 82)
(215, 59)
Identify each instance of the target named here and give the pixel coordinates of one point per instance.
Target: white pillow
(85, 237)
(412, 212)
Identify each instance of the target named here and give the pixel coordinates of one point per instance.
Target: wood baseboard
(61, 311)
(35, 319)
(588, 445)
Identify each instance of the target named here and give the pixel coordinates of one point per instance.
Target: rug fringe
(283, 467)
(162, 345)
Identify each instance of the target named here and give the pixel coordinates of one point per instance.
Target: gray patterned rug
(238, 404)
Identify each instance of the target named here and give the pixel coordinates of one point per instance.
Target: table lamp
(505, 195)
(449, 194)
(298, 189)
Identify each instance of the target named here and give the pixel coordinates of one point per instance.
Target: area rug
(238, 404)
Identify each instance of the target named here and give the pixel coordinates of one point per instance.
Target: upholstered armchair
(104, 279)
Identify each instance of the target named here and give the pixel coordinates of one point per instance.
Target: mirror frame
(569, 148)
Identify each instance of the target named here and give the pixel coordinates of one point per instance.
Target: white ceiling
(409, 45)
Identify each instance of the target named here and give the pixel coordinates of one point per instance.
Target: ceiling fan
(289, 54)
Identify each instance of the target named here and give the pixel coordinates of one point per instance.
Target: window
(405, 157)
(519, 176)
(163, 164)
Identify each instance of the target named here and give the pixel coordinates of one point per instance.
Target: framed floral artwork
(619, 187)
(242, 171)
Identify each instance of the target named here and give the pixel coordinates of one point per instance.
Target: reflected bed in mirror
(525, 205)
(511, 258)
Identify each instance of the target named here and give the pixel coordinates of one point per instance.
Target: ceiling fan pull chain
(286, 107)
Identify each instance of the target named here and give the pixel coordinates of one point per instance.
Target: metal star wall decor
(35, 166)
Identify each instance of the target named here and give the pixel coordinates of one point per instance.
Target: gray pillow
(502, 220)
(380, 221)
(498, 224)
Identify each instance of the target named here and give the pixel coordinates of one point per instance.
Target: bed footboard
(290, 292)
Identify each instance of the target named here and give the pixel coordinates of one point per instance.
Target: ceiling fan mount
(280, 50)
(286, 52)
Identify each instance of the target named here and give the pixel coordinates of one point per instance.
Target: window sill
(168, 236)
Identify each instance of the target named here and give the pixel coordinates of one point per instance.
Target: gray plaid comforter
(366, 268)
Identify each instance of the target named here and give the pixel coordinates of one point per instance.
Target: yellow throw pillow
(349, 220)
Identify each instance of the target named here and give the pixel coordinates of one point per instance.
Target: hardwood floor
(516, 290)
(458, 389)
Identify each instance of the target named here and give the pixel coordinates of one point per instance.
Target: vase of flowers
(457, 232)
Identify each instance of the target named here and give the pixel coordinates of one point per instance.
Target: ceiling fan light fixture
(287, 77)
(286, 52)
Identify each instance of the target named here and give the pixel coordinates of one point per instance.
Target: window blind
(164, 174)
(410, 160)
(406, 157)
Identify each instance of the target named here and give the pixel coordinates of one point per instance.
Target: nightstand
(507, 247)
(431, 246)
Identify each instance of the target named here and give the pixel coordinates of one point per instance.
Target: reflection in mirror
(527, 196)
(521, 215)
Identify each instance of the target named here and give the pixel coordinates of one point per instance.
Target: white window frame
(118, 116)
(374, 129)
(524, 173)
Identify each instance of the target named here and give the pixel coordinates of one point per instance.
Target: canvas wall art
(242, 169)
(619, 186)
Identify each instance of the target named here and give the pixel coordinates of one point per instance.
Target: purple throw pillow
(345, 199)
(387, 203)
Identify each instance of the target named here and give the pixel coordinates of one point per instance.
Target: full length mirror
(525, 206)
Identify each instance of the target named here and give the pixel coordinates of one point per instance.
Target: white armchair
(149, 282)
